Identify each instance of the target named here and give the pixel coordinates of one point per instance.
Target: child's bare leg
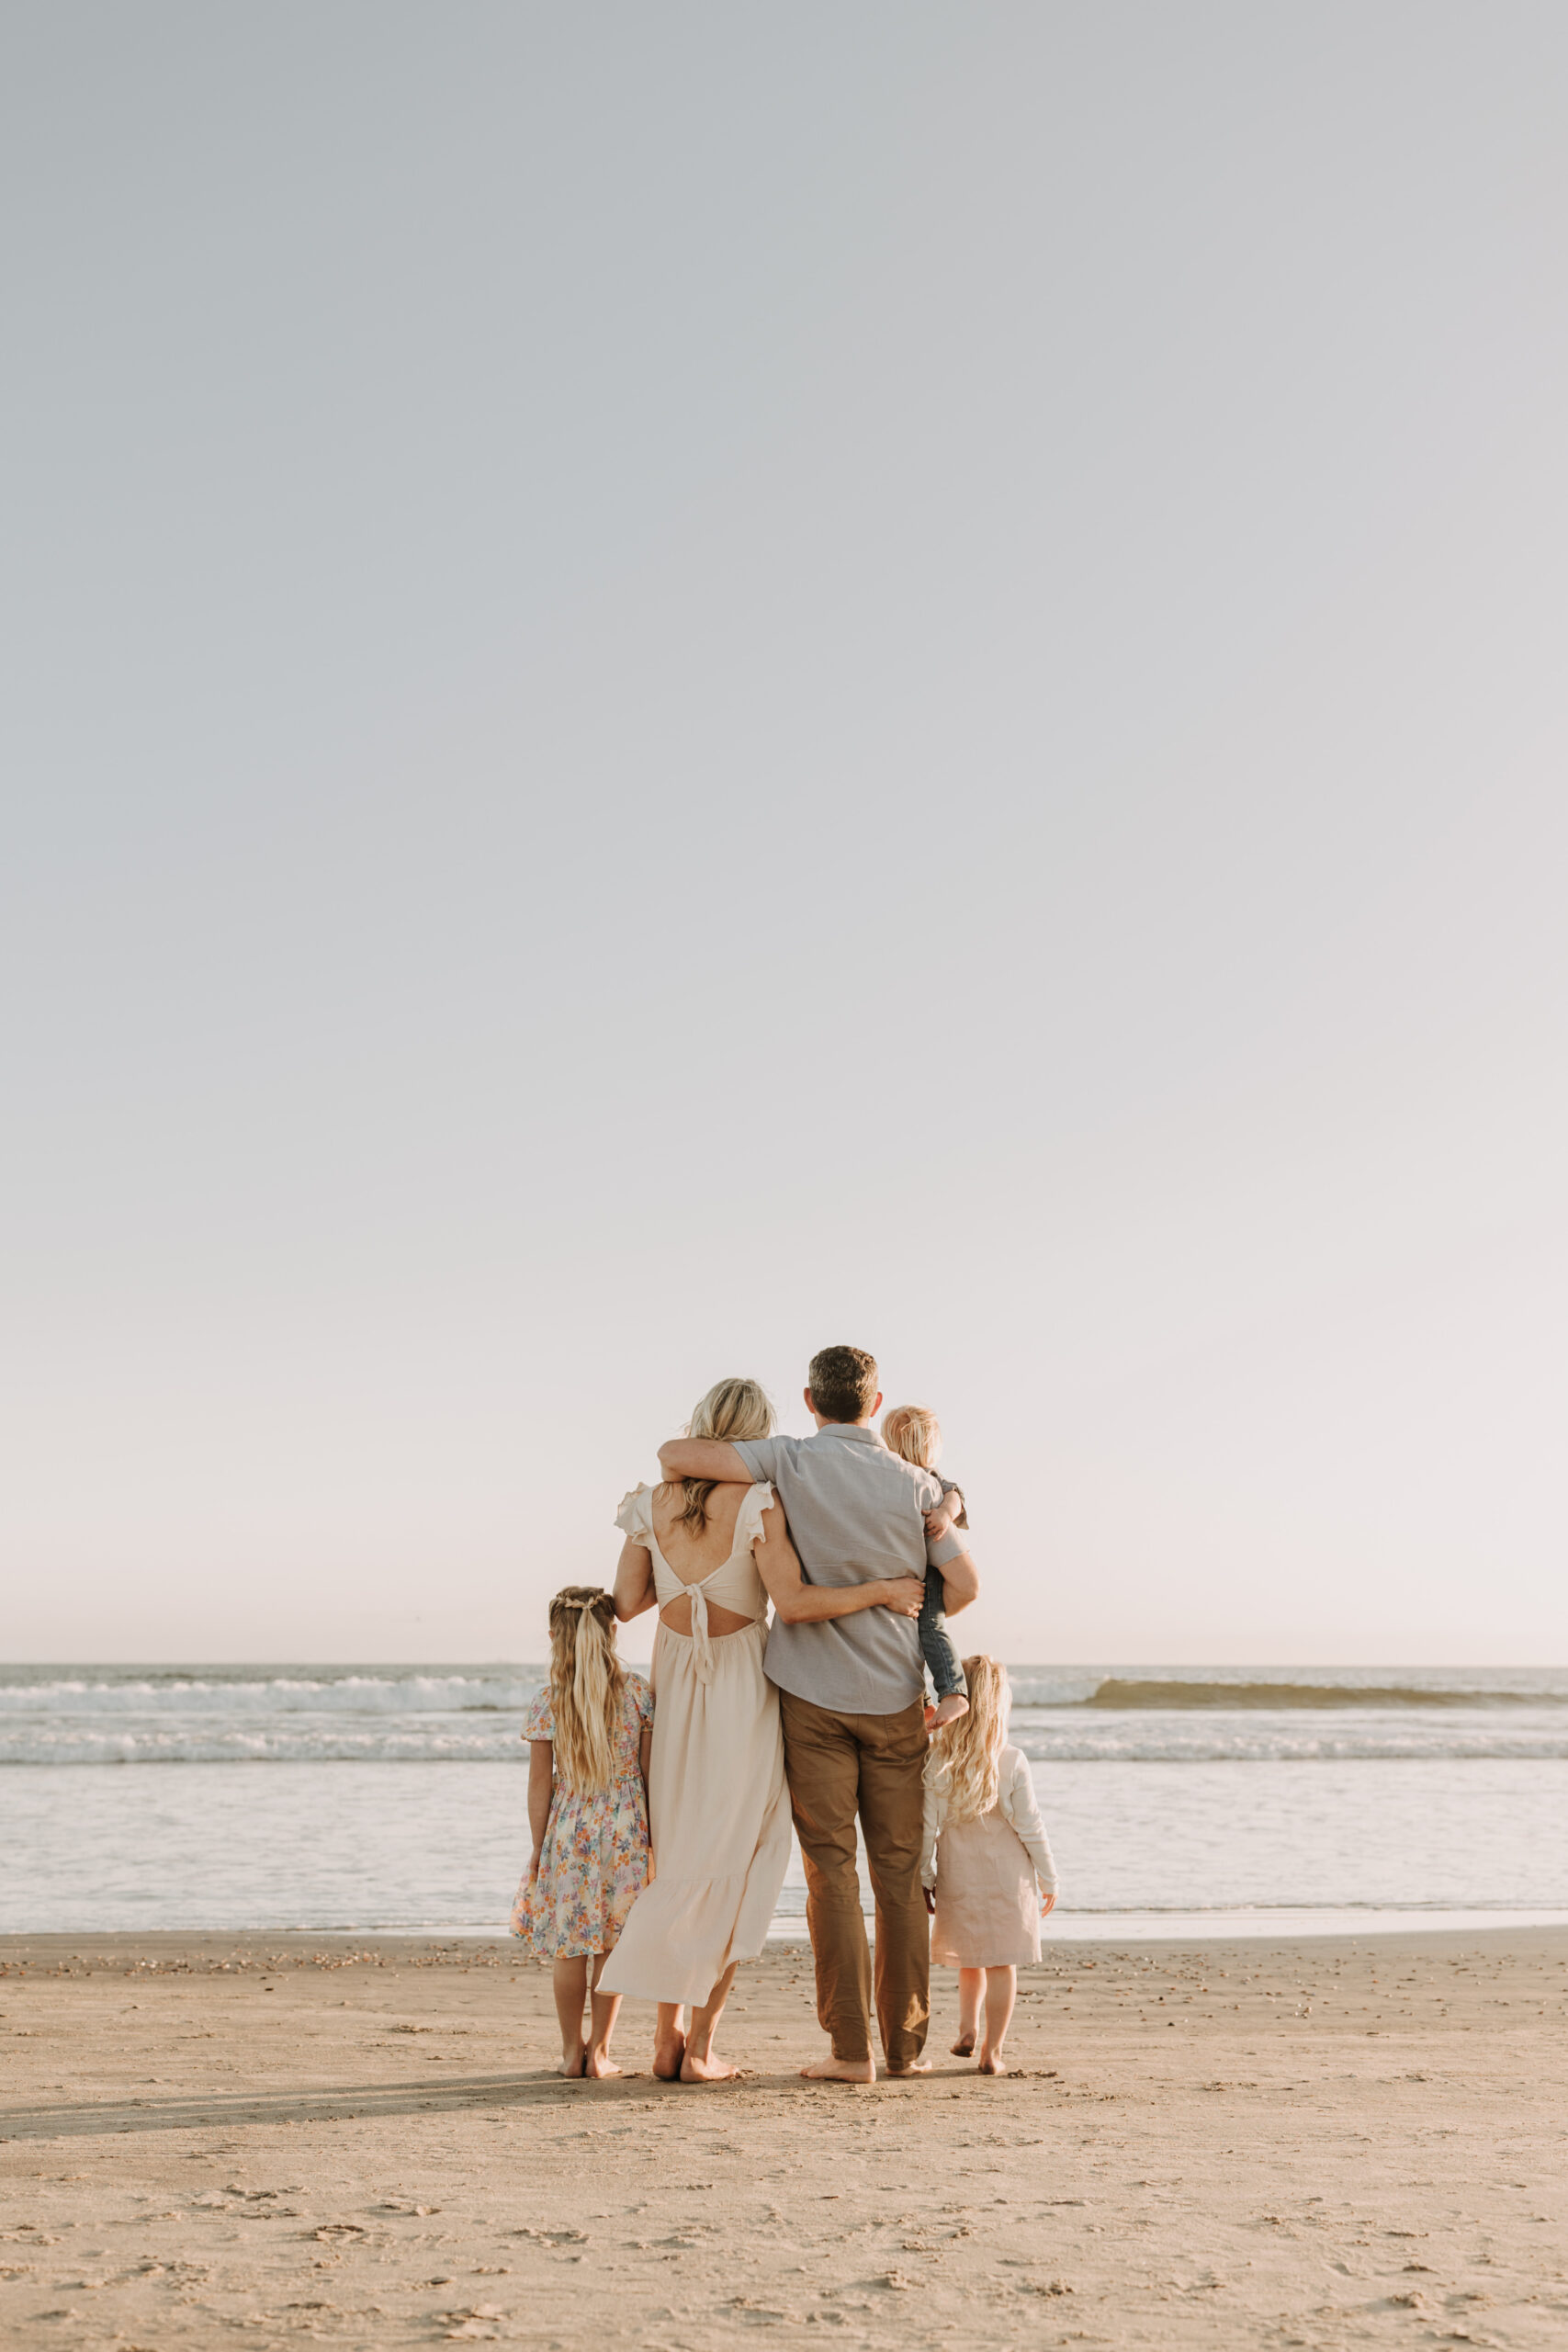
(604, 2008)
(699, 2065)
(1001, 1992)
(670, 2039)
(570, 1982)
(971, 1993)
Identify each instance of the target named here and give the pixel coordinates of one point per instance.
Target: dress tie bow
(701, 1647)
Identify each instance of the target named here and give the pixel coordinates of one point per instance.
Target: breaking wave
(284, 1713)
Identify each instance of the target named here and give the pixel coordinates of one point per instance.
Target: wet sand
(260, 2140)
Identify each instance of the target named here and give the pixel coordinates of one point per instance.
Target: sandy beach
(272, 2138)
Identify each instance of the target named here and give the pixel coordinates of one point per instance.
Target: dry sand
(211, 2140)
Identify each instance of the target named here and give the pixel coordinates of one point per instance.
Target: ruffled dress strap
(749, 1520)
(635, 1517)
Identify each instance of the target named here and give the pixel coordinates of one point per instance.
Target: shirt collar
(857, 1431)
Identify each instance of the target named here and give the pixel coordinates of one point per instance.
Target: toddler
(986, 1853)
(590, 1730)
(913, 1432)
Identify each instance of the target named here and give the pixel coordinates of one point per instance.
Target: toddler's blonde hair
(965, 1761)
(914, 1433)
(735, 1409)
(586, 1682)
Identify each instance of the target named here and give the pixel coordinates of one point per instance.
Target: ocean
(1178, 1800)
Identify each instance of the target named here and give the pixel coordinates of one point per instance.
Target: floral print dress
(594, 1862)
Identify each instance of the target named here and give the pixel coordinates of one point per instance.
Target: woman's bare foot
(842, 2070)
(706, 2070)
(667, 2058)
(991, 2063)
(572, 2063)
(965, 2046)
(597, 2063)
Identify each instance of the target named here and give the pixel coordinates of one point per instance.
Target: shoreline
(1287, 1923)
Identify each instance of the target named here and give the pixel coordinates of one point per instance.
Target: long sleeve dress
(988, 1874)
(718, 1807)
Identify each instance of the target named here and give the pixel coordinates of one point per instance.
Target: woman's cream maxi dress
(719, 1808)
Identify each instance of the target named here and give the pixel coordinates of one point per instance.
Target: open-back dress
(718, 1807)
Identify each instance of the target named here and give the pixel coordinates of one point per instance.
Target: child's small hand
(1047, 1903)
(930, 1900)
(938, 1522)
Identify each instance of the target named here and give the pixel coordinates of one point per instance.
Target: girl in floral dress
(589, 1731)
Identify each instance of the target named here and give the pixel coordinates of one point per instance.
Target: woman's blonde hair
(735, 1409)
(586, 1682)
(914, 1433)
(966, 1756)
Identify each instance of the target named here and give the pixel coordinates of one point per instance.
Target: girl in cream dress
(710, 1557)
(987, 1856)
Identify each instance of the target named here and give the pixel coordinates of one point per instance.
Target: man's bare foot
(910, 2066)
(597, 2064)
(991, 2063)
(706, 2070)
(668, 2057)
(948, 1709)
(842, 2070)
(965, 2046)
(572, 2063)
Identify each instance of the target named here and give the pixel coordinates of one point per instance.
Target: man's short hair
(843, 1382)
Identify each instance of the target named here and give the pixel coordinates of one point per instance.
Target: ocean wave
(1126, 1696)
(216, 1744)
(1058, 1738)
(287, 1713)
(300, 1693)
(1283, 1746)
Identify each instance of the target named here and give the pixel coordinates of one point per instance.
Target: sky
(681, 683)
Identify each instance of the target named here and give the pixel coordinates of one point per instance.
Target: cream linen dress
(718, 1806)
(984, 1873)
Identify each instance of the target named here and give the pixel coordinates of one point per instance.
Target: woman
(710, 1557)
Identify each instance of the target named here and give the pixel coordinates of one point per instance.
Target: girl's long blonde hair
(586, 1682)
(966, 1756)
(735, 1409)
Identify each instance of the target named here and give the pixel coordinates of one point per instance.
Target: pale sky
(687, 682)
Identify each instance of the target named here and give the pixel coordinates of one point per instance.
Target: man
(851, 1693)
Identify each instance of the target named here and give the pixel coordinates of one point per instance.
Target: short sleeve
(640, 1691)
(749, 1520)
(539, 1722)
(761, 1454)
(635, 1517)
(946, 1547)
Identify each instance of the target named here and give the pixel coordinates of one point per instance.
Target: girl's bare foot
(597, 2064)
(965, 2046)
(572, 2063)
(991, 2063)
(842, 2070)
(668, 2057)
(706, 2070)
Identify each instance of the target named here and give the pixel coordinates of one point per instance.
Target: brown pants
(838, 1766)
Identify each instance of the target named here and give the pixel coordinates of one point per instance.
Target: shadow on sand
(347, 2101)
